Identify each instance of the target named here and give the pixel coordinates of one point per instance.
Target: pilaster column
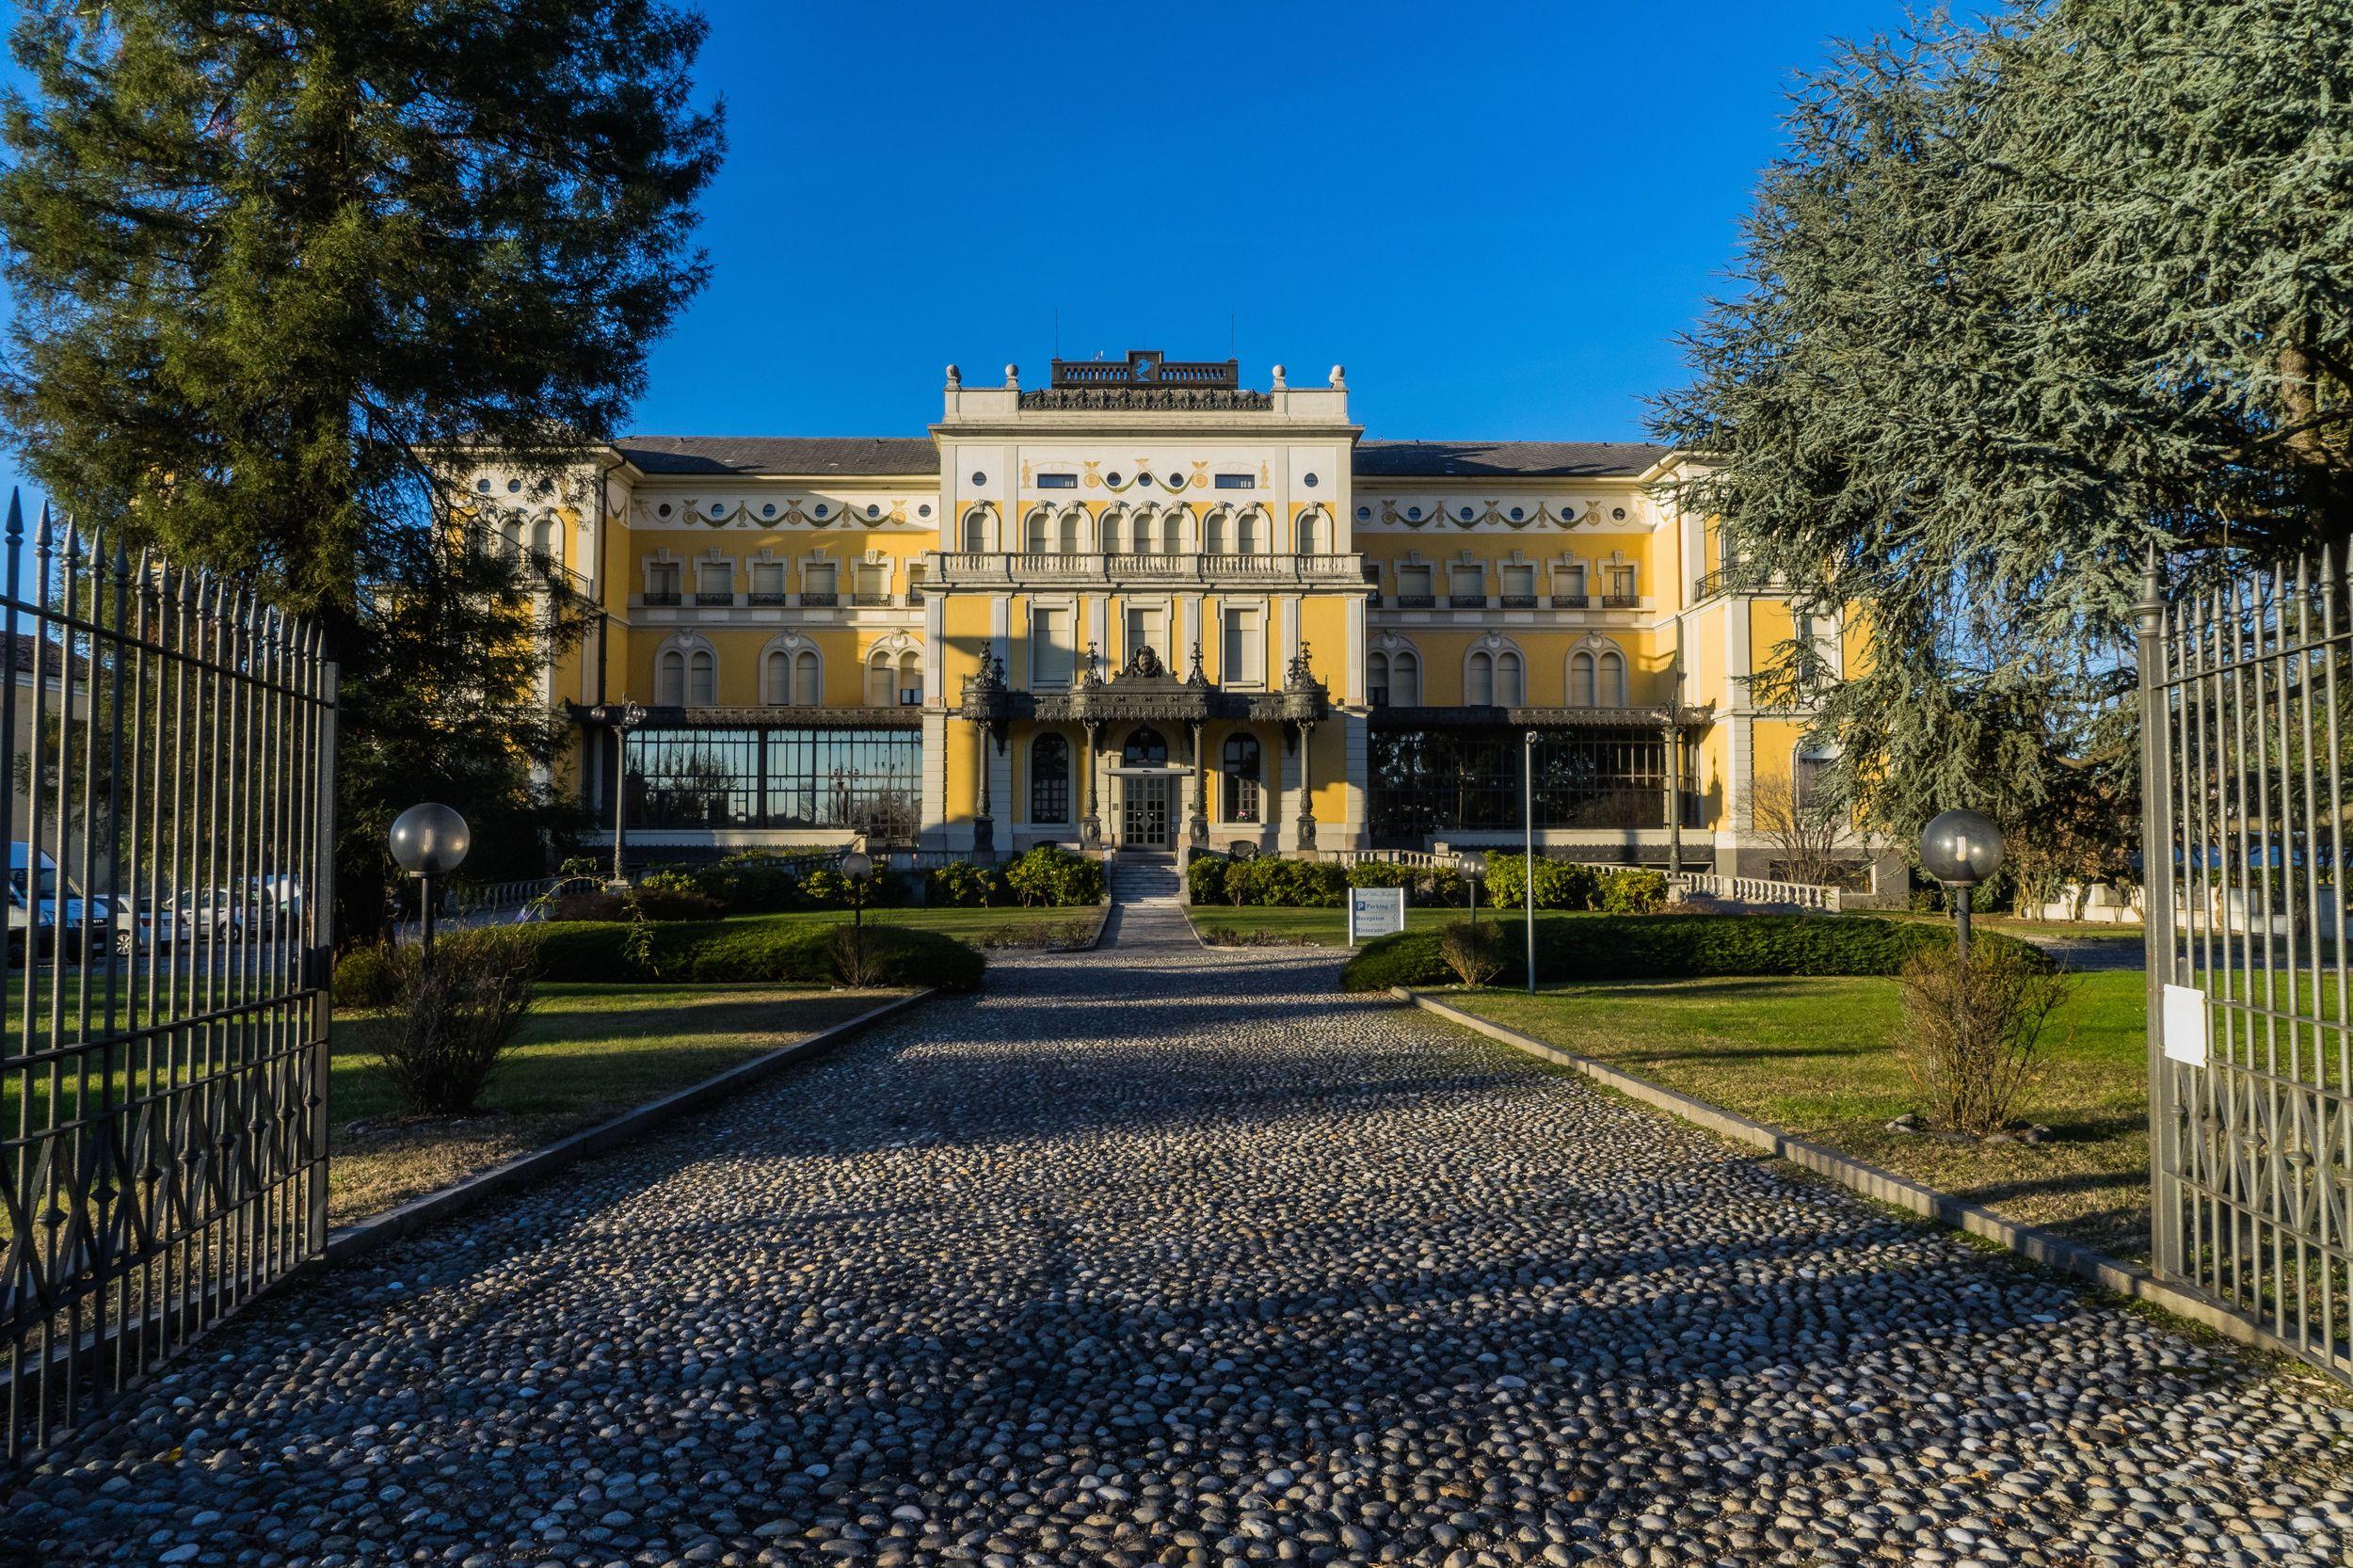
(983, 825)
(1307, 824)
(1197, 825)
(1090, 825)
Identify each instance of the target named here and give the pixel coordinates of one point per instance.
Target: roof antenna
(1058, 332)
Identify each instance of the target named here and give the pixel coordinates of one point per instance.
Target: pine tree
(2020, 302)
(275, 268)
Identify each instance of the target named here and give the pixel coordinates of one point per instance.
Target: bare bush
(1473, 953)
(455, 1014)
(858, 955)
(1972, 1032)
(1807, 825)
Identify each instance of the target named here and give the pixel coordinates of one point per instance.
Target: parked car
(143, 924)
(217, 913)
(52, 909)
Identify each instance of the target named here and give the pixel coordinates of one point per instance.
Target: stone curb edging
(365, 1235)
(2040, 1246)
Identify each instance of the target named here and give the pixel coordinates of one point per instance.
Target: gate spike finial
(16, 514)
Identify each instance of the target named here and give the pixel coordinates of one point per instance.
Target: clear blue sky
(1497, 217)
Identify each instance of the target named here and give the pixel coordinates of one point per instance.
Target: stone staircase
(1147, 881)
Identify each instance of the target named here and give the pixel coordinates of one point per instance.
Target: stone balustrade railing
(967, 569)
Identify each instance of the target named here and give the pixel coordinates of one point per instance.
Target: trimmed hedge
(1052, 877)
(747, 952)
(1675, 947)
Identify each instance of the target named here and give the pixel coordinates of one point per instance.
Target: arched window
(1511, 685)
(1041, 533)
(976, 530)
(702, 679)
(1581, 687)
(669, 682)
(511, 538)
(1213, 539)
(1478, 681)
(775, 678)
(1377, 680)
(911, 679)
(543, 541)
(808, 689)
(1613, 693)
(1405, 678)
(1173, 531)
(1143, 534)
(1246, 532)
(1067, 531)
(1241, 768)
(1143, 747)
(1309, 544)
(881, 688)
(1050, 778)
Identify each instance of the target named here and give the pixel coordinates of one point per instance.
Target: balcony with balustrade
(1102, 569)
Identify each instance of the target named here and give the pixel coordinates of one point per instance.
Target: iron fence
(2250, 1045)
(166, 756)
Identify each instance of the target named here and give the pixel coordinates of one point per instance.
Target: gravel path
(1163, 1256)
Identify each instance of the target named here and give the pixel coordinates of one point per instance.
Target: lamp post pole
(1528, 819)
(429, 841)
(631, 717)
(1961, 850)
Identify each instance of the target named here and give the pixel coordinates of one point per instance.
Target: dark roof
(750, 455)
(1505, 459)
(757, 455)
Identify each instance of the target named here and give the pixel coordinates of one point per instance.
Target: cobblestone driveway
(1159, 1256)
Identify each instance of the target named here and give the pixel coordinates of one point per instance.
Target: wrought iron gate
(2250, 1043)
(166, 756)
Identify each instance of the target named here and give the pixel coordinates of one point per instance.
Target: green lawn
(1811, 1056)
(586, 1053)
(1219, 922)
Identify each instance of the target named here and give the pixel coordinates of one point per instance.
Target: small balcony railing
(1622, 601)
(1569, 602)
(767, 595)
(1418, 601)
(820, 601)
(1466, 601)
(705, 597)
(661, 599)
(868, 602)
(1519, 601)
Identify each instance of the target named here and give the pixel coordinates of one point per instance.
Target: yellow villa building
(1143, 606)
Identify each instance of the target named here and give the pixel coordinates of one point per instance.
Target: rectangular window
(1568, 588)
(1421, 782)
(768, 582)
(1237, 481)
(915, 582)
(1053, 654)
(1519, 583)
(1147, 626)
(662, 582)
(874, 583)
(820, 583)
(1412, 587)
(1057, 481)
(1246, 648)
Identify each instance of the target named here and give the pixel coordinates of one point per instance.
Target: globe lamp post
(429, 841)
(1962, 850)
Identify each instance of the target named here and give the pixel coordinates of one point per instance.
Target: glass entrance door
(1146, 815)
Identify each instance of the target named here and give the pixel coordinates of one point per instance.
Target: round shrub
(1052, 876)
(1558, 884)
(1205, 878)
(365, 978)
(963, 884)
(1609, 947)
(1634, 892)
